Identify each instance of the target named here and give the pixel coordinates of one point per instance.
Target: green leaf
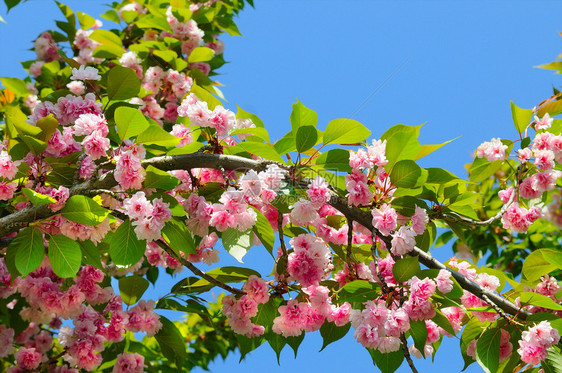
(171, 342)
(387, 363)
(130, 122)
(106, 37)
(201, 54)
(266, 151)
(65, 256)
(552, 108)
(151, 21)
(407, 174)
(430, 148)
(15, 85)
(306, 138)
(418, 330)
(131, 289)
(521, 117)
(159, 179)
(334, 160)
(232, 274)
(295, 342)
(91, 254)
(441, 176)
(331, 333)
(471, 331)
(242, 114)
(48, 127)
(156, 135)
(554, 359)
(539, 300)
(258, 131)
(86, 21)
(536, 266)
(359, 291)
(481, 169)
(30, 250)
(129, 15)
(192, 285)
(488, 350)
(264, 231)
(443, 322)
(345, 131)
(302, 116)
(84, 210)
(554, 257)
(178, 237)
(277, 343)
(405, 268)
(237, 243)
(37, 199)
(125, 248)
(122, 83)
(108, 51)
(286, 144)
(205, 95)
(401, 143)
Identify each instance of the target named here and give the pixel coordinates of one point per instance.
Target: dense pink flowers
(385, 219)
(129, 363)
(493, 150)
(311, 260)
(535, 342)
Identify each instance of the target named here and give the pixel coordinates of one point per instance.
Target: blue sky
(455, 65)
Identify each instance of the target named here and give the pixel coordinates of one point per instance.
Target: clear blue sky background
(455, 65)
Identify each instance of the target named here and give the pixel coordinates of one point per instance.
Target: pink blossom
(444, 282)
(544, 159)
(7, 190)
(129, 363)
(340, 315)
(292, 319)
(505, 195)
(256, 288)
(403, 241)
(6, 341)
(137, 207)
(422, 288)
(493, 150)
(385, 219)
(8, 168)
(76, 87)
(28, 358)
(544, 123)
(419, 220)
(221, 120)
(96, 145)
(304, 212)
(524, 155)
(88, 123)
(85, 73)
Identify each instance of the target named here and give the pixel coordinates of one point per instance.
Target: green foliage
(345, 131)
(122, 83)
(125, 248)
(84, 210)
(65, 256)
(131, 289)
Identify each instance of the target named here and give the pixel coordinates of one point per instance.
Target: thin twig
(407, 353)
(197, 271)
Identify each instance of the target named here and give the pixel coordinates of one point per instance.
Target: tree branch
(197, 271)
(21, 218)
